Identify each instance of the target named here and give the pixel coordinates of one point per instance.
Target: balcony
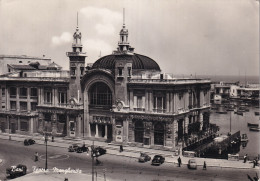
(159, 110)
(139, 109)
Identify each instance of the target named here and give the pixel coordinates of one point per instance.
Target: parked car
(28, 142)
(15, 171)
(192, 164)
(144, 157)
(98, 151)
(158, 160)
(82, 149)
(73, 148)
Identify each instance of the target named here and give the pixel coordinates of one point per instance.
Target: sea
(237, 122)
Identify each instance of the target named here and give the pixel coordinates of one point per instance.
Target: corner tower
(77, 65)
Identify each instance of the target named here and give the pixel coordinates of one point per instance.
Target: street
(117, 167)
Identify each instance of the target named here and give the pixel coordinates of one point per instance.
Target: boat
(252, 125)
(254, 129)
(244, 137)
(257, 113)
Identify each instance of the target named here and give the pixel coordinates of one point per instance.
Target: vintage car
(192, 164)
(144, 157)
(82, 148)
(28, 142)
(158, 160)
(15, 171)
(73, 148)
(98, 151)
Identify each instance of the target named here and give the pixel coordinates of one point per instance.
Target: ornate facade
(123, 98)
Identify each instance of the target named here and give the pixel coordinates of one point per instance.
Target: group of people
(255, 161)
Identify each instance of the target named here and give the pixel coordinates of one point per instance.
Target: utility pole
(92, 157)
(46, 139)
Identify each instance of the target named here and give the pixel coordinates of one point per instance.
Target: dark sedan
(158, 160)
(98, 151)
(15, 171)
(28, 142)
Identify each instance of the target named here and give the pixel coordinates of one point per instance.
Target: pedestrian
(52, 138)
(179, 161)
(36, 155)
(245, 158)
(121, 148)
(254, 163)
(204, 166)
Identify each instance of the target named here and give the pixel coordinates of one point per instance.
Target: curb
(127, 150)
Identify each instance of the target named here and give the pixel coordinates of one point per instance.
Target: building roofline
(24, 57)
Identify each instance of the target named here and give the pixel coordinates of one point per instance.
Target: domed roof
(139, 62)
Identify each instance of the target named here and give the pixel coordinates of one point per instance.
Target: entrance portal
(139, 131)
(159, 134)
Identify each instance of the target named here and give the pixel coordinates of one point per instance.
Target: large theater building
(123, 98)
(128, 100)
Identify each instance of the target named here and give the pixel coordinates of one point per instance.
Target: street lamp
(46, 140)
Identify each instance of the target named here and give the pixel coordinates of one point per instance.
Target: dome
(140, 62)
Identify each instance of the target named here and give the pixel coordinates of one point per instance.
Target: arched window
(139, 131)
(100, 94)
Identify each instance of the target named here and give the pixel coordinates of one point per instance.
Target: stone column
(56, 94)
(151, 101)
(19, 123)
(146, 101)
(167, 102)
(53, 98)
(186, 124)
(54, 123)
(31, 125)
(17, 99)
(131, 100)
(89, 131)
(96, 135)
(105, 132)
(201, 121)
(28, 100)
(175, 132)
(78, 130)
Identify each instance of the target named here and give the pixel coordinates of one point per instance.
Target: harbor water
(239, 123)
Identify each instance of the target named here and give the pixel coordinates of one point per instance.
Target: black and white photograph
(129, 90)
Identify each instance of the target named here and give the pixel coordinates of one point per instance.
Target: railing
(159, 110)
(75, 53)
(139, 109)
(173, 81)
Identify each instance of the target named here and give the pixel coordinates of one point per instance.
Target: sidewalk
(134, 152)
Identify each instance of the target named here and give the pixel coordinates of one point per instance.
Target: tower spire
(77, 19)
(123, 17)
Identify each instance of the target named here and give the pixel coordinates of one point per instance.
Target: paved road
(117, 167)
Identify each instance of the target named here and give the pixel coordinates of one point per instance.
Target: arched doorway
(180, 129)
(159, 134)
(139, 131)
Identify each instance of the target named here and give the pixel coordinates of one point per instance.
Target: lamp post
(92, 157)
(46, 140)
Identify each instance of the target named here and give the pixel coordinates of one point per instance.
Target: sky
(203, 37)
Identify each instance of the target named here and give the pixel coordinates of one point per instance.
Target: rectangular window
(81, 70)
(129, 71)
(3, 92)
(33, 106)
(120, 71)
(13, 92)
(159, 103)
(62, 95)
(73, 71)
(24, 126)
(34, 93)
(23, 92)
(47, 96)
(13, 105)
(23, 106)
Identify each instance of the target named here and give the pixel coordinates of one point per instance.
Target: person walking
(36, 156)
(245, 158)
(204, 166)
(179, 161)
(254, 163)
(121, 148)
